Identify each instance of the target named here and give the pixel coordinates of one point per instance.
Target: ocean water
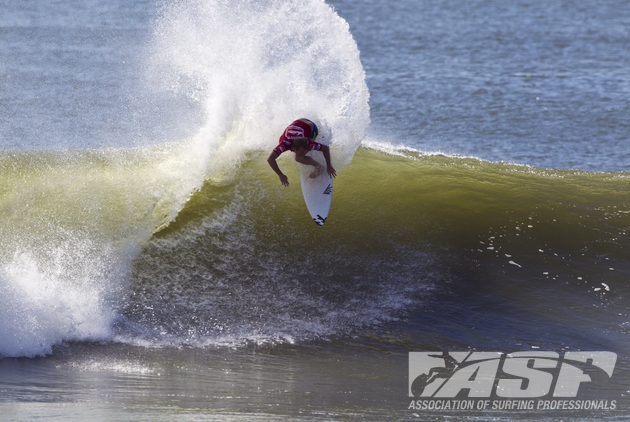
(152, 267)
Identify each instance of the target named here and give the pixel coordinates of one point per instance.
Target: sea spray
(74, 221)
(255, 66)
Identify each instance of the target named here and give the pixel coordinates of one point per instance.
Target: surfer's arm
(329, 168)
(274, 165)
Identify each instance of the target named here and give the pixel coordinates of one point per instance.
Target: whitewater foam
(255, 66)
(73, 221)
(72, 224)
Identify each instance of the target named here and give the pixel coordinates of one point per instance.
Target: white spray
(255, 66)
(72, 222)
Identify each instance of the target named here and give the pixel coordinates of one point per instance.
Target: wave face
(244, 263)
(73, 222)
(109, 245)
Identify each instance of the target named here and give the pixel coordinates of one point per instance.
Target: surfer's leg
(318, 170)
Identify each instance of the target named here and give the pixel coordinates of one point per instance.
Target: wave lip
(255, 66)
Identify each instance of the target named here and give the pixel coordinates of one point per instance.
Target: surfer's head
(299, 146)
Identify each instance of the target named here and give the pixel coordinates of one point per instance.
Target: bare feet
(318, 170)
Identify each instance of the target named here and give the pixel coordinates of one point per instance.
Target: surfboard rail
(317, 191)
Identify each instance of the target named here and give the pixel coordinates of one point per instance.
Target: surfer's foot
(316, 172)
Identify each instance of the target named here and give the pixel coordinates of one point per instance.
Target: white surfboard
(317, 191)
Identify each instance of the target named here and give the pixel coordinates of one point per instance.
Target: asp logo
(526, 374)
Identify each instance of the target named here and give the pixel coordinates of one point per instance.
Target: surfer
(299, 137)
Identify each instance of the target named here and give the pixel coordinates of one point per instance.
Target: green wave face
(244, 262)
(112, 245)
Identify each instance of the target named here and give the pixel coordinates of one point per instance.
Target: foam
(72, 224)
(256, 66)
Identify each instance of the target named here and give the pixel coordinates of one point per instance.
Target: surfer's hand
(331, 171)
(284, 180)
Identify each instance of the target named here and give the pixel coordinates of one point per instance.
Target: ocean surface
(152, 266)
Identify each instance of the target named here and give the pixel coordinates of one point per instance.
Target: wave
(74, 221)
(243, 263)
(111, 245)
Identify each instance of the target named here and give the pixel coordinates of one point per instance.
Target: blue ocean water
(537, 83)
(72, 77)
(152, 267)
